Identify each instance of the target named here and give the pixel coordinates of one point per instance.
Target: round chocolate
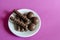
(34, 20)
(31, 27)
(30, 15)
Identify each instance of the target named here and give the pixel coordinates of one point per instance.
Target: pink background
(48, 10)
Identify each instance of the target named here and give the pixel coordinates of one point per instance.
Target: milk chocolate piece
(18, 22)
(30, 15)
(20, 15)
(34, 20)
(31, 27)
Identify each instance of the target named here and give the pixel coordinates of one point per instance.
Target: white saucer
(28, 33)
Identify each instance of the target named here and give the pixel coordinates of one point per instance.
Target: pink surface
(49, 11)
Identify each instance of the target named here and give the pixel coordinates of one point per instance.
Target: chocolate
(21, 29)
(18, 22)
(18, 28)
(25, 15)
(20, 15)
(30, 15)
(31, 27)
(24, 22)
(26, 29)
(16, 16)
(34, 20)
